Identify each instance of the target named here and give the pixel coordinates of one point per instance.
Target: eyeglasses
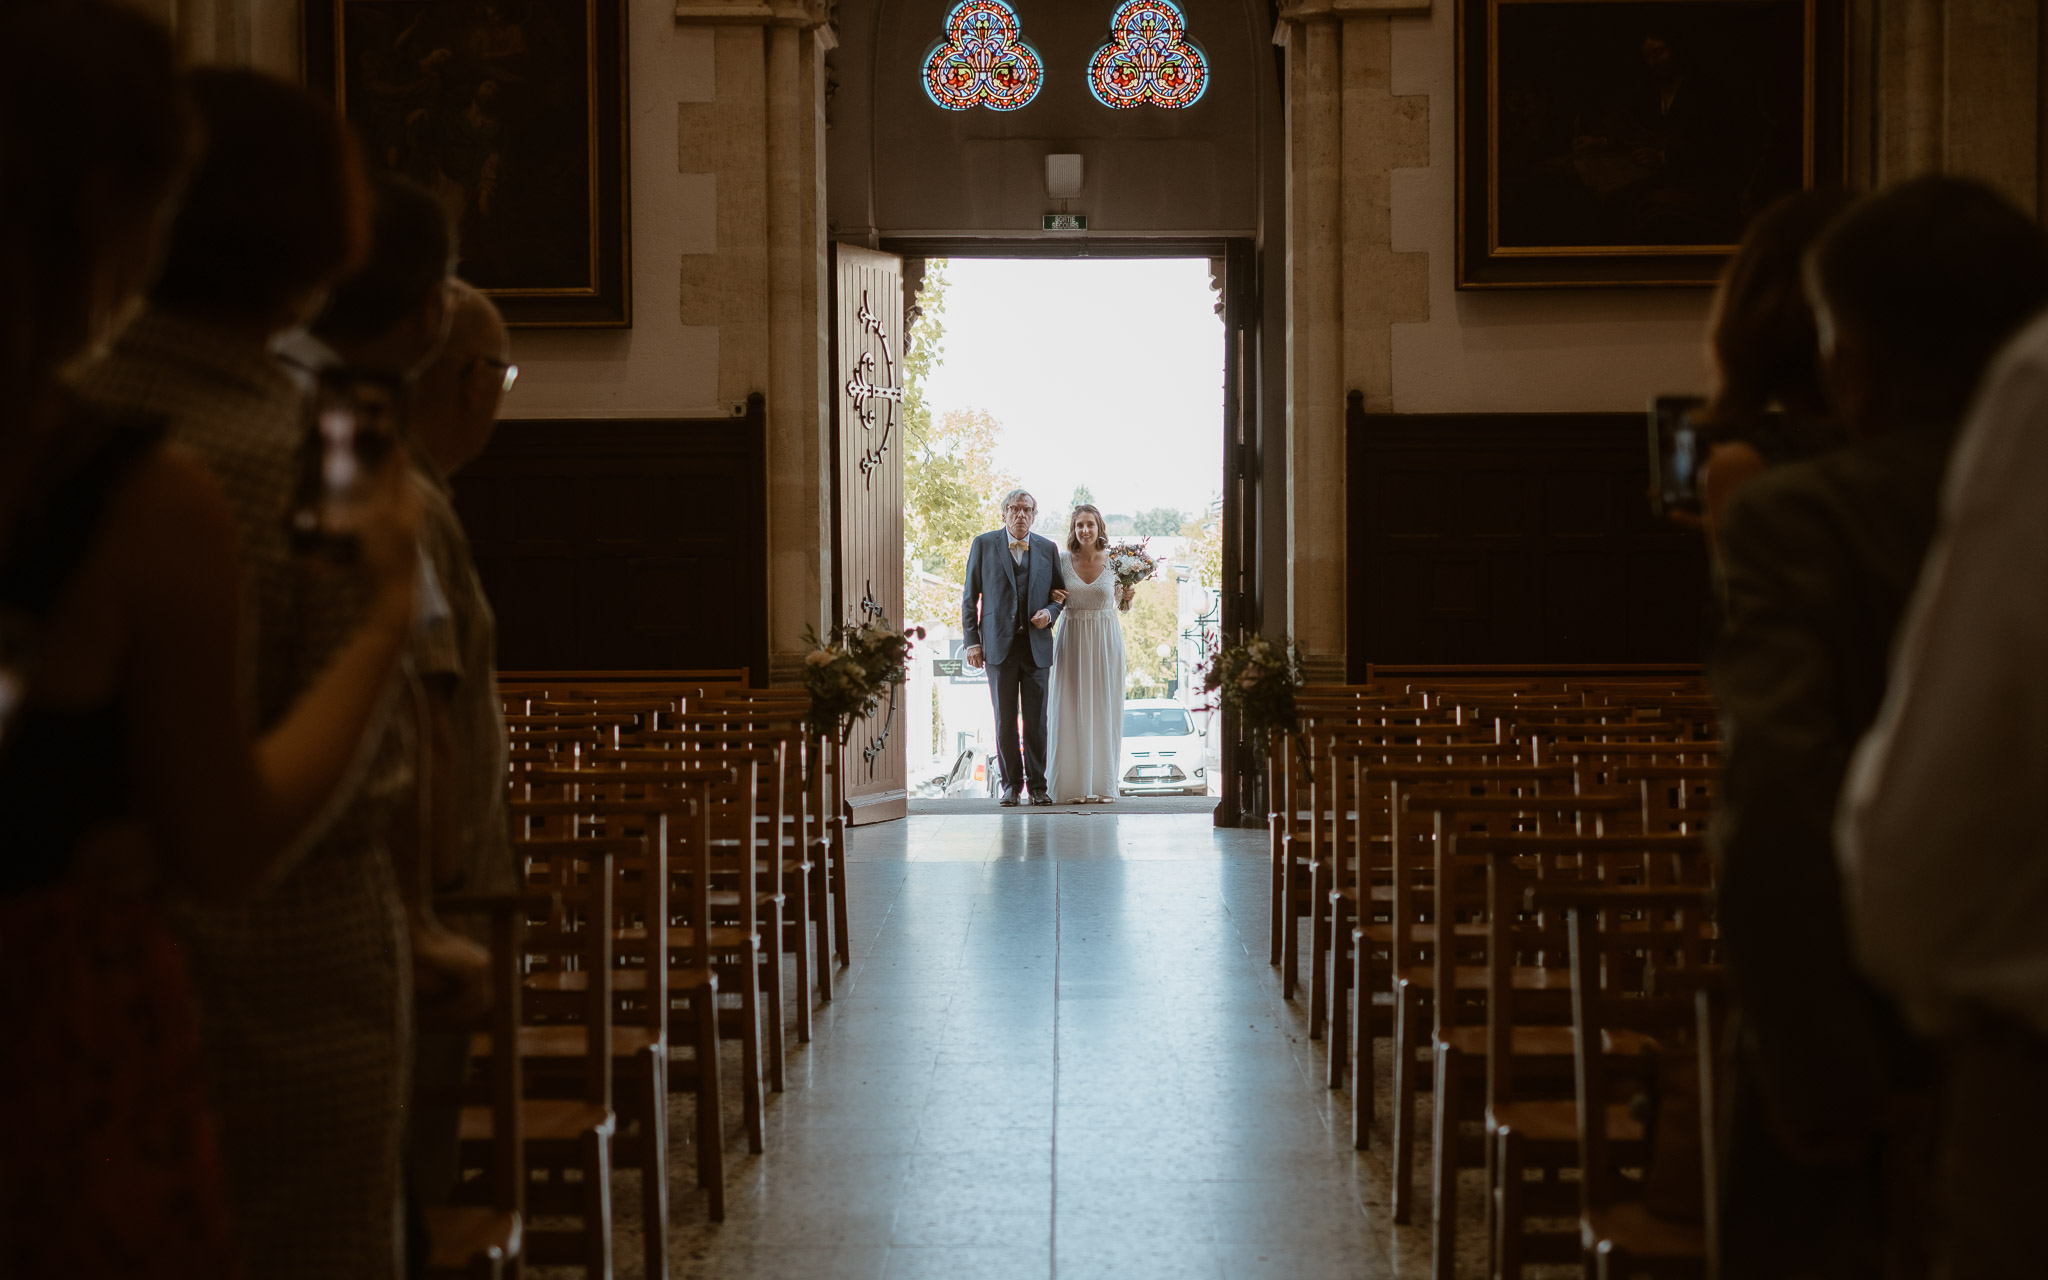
(511, 371)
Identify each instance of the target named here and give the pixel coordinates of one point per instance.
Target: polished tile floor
(1059, 1052)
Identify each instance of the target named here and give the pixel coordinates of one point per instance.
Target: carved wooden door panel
(868, 385)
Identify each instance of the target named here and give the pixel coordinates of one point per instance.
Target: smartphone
(351, 429)
(1677, 447)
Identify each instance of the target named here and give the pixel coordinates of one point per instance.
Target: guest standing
(1944, 830)
(1006, 610)
(128, 769)
(1913, 290)
(306, 984)
(454, 411)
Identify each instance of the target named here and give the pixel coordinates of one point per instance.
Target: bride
(1085, 715)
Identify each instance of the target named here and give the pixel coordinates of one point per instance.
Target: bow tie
(1020, 546)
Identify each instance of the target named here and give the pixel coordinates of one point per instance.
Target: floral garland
(849, 671)
(1256, 680)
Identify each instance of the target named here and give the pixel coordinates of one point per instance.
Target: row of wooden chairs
(1438, 838)
(681, 836)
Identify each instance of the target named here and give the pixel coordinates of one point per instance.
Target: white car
(1162, 751)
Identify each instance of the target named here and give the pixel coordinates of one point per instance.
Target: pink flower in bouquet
(1131, 565)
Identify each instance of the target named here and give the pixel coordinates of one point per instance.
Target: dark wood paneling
(624, 544)
(1513, 538)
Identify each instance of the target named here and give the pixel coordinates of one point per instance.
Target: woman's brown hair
(1101, 528)
(96, 130)
(1766, 350)
(278, 209)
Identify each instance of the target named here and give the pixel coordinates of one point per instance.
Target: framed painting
(512, 112)
(1615, 143)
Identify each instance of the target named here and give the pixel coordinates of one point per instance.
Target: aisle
(1060, 1052)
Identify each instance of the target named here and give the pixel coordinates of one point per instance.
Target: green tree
(1159, 522)
(950, 491)
(1154, 620)
(951, 483)
(1205, 550)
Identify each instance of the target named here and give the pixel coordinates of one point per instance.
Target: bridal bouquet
(1257, 680)
(847, 673)
(1130, 564)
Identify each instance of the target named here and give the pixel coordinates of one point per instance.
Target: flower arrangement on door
(1257, 681)
(851, 668)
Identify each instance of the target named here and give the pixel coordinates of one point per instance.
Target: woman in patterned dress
(128, 770)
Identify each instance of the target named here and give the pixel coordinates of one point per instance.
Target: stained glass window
(983, 61)
(1149, 59)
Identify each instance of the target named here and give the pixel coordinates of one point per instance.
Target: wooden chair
(1355, 873)
(728, 939)
(571, 1134)
(658, 1007)
(553, 1044)
(1615, 935)
(770, 757)
(826, 788)
(1392, 942)
(1530, 1116)
(1444, 995)
(486, 1241)
(786, 866)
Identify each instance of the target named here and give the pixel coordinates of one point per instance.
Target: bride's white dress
(1085, 706)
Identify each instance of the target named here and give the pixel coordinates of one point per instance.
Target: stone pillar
(764, 287)
(1345, 285)
(1315, 323)
(1959, 88)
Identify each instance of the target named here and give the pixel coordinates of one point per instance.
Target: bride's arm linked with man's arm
(970, 606)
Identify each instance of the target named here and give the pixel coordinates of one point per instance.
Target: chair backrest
(1496, 802)
(1519, 868)
(504, 1073)
(578, 930)
(1618, 935)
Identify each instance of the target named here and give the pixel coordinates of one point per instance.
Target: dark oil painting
(494, 107)
(1649, 131)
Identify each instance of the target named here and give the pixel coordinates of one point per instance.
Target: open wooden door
(868, 462)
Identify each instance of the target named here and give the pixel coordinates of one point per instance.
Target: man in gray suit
(1006, 614)
(1824, 1163)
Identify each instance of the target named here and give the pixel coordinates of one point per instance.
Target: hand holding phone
(1677, 448)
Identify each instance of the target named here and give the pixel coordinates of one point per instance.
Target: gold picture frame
(512, 112)
(1627, 143)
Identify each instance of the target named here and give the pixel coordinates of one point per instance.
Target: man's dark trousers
(1018, 684)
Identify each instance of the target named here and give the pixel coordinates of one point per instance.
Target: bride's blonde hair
(1101, 528)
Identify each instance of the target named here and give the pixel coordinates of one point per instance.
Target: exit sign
(1066, 222)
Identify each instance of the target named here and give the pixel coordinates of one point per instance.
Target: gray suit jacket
(991, 581)
(1818, 560)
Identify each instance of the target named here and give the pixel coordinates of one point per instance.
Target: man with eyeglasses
(454, 411)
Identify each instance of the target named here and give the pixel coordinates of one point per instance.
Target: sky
(1103, 372)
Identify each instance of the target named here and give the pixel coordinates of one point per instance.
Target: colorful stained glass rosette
(1149, 59)
(983, 61)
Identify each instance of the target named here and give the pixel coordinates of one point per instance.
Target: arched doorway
(908, 179)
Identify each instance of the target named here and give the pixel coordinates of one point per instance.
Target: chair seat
(680, 980)
(566, 1041)
(1416, 932)
(1473, 977)
(1632, 1229)
(543, 1119)
(461, 1234)
(723, 937)
(1558, 1121)
(1545, 1042)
